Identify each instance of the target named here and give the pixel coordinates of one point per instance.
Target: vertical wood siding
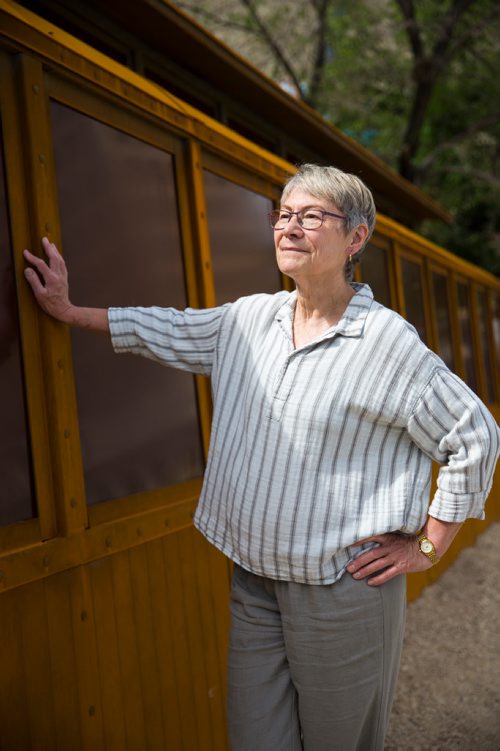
(127, 652)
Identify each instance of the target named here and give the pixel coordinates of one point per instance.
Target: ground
(448, 695)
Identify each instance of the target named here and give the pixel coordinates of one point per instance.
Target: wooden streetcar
(113, 609)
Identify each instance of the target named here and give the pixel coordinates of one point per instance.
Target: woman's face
(313, 254)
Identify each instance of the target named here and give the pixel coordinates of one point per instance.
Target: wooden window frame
(434, 268)
(475, 289)
(34, 65)
(476, 354)
(387, 246)
(403, 252)
(86, 81)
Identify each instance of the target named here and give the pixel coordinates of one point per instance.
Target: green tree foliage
(412, 80)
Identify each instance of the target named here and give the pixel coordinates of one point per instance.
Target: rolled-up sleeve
(451, 425)
(186, 339)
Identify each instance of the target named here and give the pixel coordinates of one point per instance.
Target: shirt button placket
(283, 386)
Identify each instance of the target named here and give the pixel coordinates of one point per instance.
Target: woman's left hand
(395, 554)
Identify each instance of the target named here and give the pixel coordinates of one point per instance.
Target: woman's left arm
(450, 424)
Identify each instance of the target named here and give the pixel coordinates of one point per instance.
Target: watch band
(427, 547)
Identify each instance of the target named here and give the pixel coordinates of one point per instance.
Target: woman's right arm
(52, 294)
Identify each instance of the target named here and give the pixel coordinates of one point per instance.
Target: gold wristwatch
(427, 547)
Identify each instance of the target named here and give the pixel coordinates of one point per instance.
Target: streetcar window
(375, 272)
(441, 306)
(120, 235)
(482, 309)
(414, 297)
(466, 340)
(17, 501)
(241, 240)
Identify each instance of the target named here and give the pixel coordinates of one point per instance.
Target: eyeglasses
(307, 218)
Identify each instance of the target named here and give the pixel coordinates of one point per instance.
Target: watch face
(426, 546)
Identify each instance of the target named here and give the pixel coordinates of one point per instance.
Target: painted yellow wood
(69, 492)
(198, 262)
(62, 650)
(44, 559)
(35, 667)
(120, 640)
(415, 242)
(494, 348)
(105, 619)
(186, 653)
(479, 355)
(398, 279)
(14, 730)
(162, 607)
(154, 737)
(455, 325)
(86, 660)
(200, 224)
(212, 587)
(128, 648)
(12, 134)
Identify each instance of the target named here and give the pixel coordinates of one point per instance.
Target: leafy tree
(412, 80)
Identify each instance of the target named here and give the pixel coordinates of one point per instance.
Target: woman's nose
(292, 226)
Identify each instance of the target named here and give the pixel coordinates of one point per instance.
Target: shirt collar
(352, 322)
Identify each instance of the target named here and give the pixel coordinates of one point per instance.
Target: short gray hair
(349, 194)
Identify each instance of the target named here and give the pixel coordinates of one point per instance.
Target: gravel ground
(448, 693)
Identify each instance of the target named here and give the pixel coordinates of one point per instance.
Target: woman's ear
(358, 239)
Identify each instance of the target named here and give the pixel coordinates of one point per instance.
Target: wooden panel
(185, 658)
(106, 634)
(60, 648)
(162, 607)
(36, 665)
(19, 216)
(14, 730)
(213, 594)
(69, 491)
(128, 649)
(86, 662)
(148, 659)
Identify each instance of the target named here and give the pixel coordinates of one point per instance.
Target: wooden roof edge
(274, 99)
(436, 252)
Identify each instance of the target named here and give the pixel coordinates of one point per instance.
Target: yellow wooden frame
(434, 268)
(49, 63)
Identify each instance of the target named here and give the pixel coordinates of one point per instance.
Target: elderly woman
(328, 412)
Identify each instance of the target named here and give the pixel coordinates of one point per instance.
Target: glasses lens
(279, 219)
(311, 219)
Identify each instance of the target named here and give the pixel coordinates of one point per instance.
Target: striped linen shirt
(315, 448)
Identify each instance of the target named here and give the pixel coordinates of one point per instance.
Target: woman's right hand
(53, 293)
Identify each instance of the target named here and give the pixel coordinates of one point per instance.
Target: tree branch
(451, 20)
(423, 167)
(273, 45)
(426, 71)
(411, 28)
(472, 32)
(460, 169)
(318, 68)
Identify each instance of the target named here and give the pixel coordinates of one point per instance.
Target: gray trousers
(312, 667)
